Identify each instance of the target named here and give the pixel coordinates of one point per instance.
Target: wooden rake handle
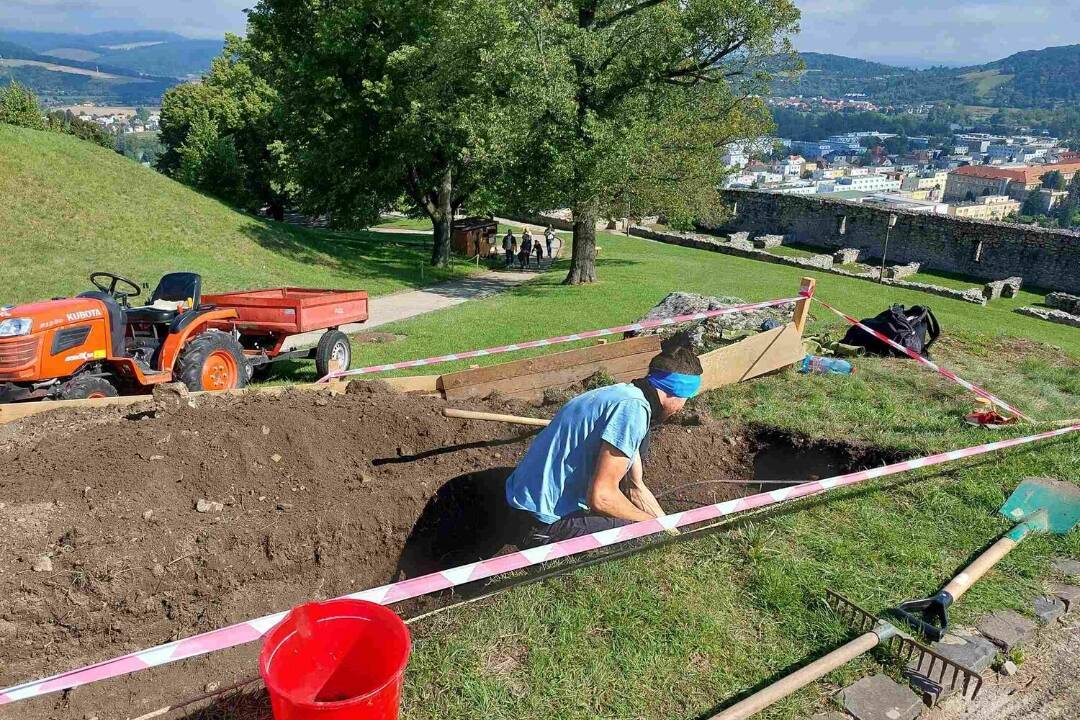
(800, 678)
(495, 417)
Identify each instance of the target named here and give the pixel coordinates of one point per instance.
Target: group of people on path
(524, 252)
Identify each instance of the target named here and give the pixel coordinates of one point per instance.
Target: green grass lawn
(795, 250)
(676, 632)
(71, 208)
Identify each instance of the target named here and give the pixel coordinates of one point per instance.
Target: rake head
(934, 666)
(930, 616)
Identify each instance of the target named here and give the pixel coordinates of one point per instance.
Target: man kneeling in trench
(568, 483)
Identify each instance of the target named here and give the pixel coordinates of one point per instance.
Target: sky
(906, 32)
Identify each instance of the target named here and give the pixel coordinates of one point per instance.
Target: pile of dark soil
(139, 527)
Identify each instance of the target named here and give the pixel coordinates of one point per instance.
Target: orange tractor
(98, 345)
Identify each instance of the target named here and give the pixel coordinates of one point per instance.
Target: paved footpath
(410, 303)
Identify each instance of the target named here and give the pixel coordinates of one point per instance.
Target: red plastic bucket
(337, 660)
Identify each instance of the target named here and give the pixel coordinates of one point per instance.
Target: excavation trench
(106, 547)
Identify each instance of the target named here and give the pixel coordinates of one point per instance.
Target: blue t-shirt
(553, 479)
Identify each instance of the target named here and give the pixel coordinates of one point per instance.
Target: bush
(19, 106)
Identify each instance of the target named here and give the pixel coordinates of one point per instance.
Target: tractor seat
(174, 290)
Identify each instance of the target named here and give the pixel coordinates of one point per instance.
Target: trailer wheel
(212, 361)
(85, 387)
(334, 353)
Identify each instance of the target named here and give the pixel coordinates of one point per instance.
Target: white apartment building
(867, 183)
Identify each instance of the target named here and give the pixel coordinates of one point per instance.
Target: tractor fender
(184, 328)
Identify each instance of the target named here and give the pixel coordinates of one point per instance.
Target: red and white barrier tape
(928, 363)
(633, 327)
(253, 629)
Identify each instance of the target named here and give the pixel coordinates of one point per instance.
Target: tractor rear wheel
(85, 387)
(334, 353)
(213, 360)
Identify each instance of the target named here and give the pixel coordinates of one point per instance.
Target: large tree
(220, 134)
(385, 100)
(635, 100)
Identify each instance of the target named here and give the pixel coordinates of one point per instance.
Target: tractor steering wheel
(119, 295)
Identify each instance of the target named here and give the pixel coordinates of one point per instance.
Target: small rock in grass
(148, 515)
(1009, 668)
(265, 430)
(1066, 566)
(284, 507)
(158, 570)
(880, 698)
(1048, 609)
(1007, 628)
(1068, 594)
(204, 506)
(42, 564)
(275, 457)
(211, 687)
(156, 458)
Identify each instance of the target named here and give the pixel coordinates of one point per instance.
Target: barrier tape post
(250, 630)
(948, 374)
(587, 335)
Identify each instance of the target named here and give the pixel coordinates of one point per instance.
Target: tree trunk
(583, 261)
(442, 217)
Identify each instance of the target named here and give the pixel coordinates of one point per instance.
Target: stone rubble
(708, 334)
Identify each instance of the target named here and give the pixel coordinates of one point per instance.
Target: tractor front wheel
(213, 360)
(85, 387)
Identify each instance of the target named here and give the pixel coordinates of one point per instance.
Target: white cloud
(194, 18)
(926, 32)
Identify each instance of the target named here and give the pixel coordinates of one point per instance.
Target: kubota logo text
(83, 315)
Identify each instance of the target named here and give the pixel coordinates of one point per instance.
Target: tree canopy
(219, 134)
(384, 101)
(634, 101)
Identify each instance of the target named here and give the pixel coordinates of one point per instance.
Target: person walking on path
(539, 248)
(549, 237)
(568, 483)
(509, 247)
(526, 249)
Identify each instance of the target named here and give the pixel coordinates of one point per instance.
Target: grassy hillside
(70, 208)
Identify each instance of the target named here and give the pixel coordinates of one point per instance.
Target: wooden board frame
(527, 378)
(760, 354)
(625, 360)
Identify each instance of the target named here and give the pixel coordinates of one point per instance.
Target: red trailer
(265, 319)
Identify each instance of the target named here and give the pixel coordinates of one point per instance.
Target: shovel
(1037, 505)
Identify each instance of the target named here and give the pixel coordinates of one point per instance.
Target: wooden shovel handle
(971, 574)
(496, 417)
(800, 678)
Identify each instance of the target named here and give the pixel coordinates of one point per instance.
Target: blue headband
(677, 384)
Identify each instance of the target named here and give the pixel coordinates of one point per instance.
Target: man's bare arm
(640, 494)
(605, 497)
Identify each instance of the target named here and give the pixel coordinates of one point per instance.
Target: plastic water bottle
(825, 365)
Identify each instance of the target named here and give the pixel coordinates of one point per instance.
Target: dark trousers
(580, 523)
(509, 258)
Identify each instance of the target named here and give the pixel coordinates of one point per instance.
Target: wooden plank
(756, 355)
(802, 308)
(546, 363)
(634, 366)
(10, 412)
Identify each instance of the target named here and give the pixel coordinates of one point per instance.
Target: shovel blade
(1060, 500)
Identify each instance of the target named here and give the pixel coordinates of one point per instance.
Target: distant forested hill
(1031, 79)
(146, 52)
(123, 68)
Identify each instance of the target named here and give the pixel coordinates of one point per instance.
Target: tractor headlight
(13, 327)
